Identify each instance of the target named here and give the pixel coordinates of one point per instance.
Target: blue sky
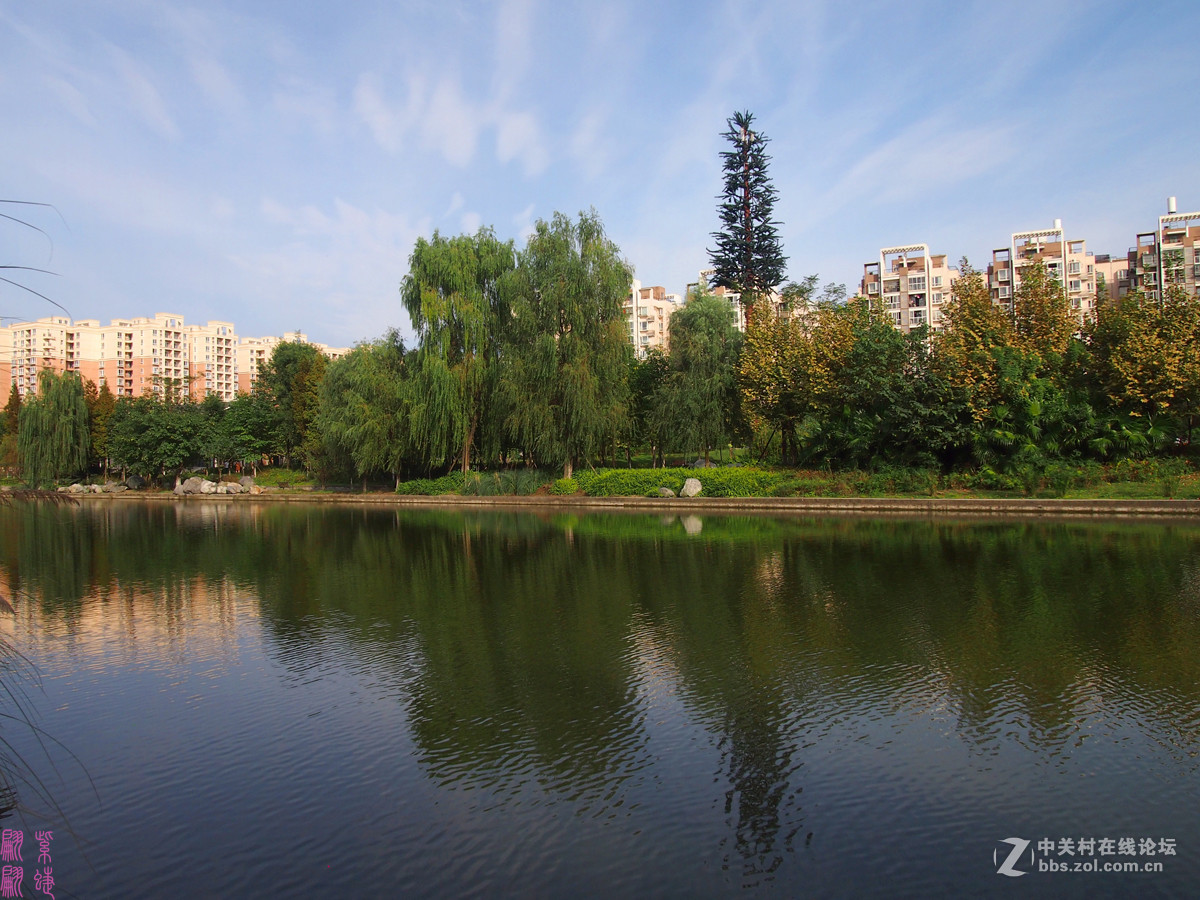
(272, 163)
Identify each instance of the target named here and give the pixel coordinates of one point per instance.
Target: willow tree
(53, 438)
(452, 294)
(364, 412)
(748, 257)
(566, 360)
(697, 403)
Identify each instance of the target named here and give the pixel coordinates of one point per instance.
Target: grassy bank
(1132, 479)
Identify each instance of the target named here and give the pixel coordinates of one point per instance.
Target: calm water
(329, 701)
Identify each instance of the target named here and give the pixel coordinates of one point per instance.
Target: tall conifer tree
(748, 257)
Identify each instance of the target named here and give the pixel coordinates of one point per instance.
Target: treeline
(995, 389)
(524, 358)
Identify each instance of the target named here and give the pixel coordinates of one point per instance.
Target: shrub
(432, 487)
(564, 487)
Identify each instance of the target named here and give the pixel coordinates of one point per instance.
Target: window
(1074, 285)
(1004, 290)
(917, 317)
(1073, 267)
(1002, 275)
(892, 301)
(937, 299)
(873, 288)
(895, 317)
(916, 283)
(891, 287)
(937, 281)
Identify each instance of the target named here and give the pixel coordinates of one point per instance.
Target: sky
(272, 163)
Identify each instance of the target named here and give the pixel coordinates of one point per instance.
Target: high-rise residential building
(911, 283)
(132, 356)
(253, 354)
(648, 311)
(1067, 261)
(1168, 256)
(136, 356)
(1114, 270)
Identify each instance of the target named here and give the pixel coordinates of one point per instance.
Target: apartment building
(911, 283)
(253, 354)
(648, 311)
(132, 356)
(1168, 256)
(1069, 262)
(1114, 270)
(138, 355)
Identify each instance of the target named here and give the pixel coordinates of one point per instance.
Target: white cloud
(143, 96)
(471, 222)
(218, 86)
(72, 99)
(451, 123)
(339, 269)
(518, 135)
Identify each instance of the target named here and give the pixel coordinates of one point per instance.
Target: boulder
(665, 492)
(194, 485)
(255, 489)
(119, 487)
(135, 482)
(207, 487)
(701, 464)
(76, 489)
(246, 482)
(691, 488)
(178, 490)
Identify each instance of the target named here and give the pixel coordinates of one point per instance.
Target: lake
(320, 700)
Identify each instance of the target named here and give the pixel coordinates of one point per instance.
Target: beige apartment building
(912, 285)
(139, 355)
(648, 311)
(253, 354)
(1168, 256)
(1070, 262)
(132, 356)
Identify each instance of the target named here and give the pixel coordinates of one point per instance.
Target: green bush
(564, 487)
(432, 487)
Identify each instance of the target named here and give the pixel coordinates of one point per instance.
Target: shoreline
(922, 507)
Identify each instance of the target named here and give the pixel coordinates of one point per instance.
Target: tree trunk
(466, 450)
(568, 467)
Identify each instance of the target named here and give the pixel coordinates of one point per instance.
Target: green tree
(9, 459)
(1042, 318)
(748, 257)
(100, 403)
(155, 436)
(53, 435)
(646, 377)
(293, 376)
(697, 403)
(973, 329)
(252, 423)
(365, 401)
(452, 293)
(566, 359)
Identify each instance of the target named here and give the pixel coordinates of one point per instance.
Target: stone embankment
(907, 507)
